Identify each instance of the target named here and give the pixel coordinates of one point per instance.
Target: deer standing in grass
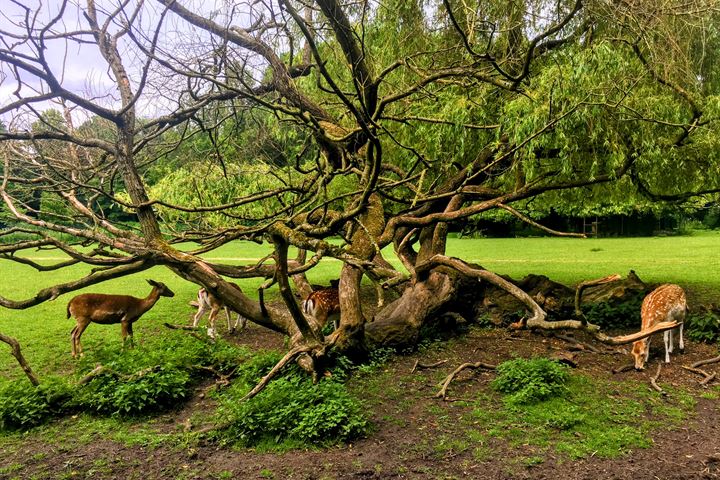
(321, 304)
(666, 303)
(110, 309)
(207, 301)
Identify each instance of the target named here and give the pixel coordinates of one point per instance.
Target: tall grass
(44, 331)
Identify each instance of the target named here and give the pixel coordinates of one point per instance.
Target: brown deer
(321, 304)
(110, 309)
(207, 301)
(664, 304)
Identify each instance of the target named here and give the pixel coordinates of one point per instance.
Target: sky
(80, 67)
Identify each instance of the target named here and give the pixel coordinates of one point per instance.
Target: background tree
(380, 123)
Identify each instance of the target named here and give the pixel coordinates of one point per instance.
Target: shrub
(530, 381)
(290, 410)
(24, 405)
(142, 392)
(703, 327)
(616, 314)
(153, 378)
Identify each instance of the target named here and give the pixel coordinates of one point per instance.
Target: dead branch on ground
(424, 366)
(707, 377)
(578, 344)
(653, 381)
(446, 383)
(624, 368)
(708, 361)
(192, 331)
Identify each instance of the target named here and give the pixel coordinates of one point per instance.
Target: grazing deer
(110, 309)
(207, 301)
(321, 304)
(664, 304)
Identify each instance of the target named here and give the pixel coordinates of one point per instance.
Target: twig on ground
(706, 362)
(446, 383)
(623, 368)
(708, 377)
(192, 331)
(653, 381)
(423, 366)
(577, 343)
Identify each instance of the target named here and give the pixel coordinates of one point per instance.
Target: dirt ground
(397, 446)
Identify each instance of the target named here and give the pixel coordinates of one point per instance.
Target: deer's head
(639, 352)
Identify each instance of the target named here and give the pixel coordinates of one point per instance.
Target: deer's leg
(681, 344)
(231, 329)
(125, 330)
(241, 322)
(667, 338)
(75, 337)
(72, 341)
(211, 329)
(202, 308)
(647, 350)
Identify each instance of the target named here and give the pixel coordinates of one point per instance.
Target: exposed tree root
(17, 353)
(424, 366)
(446, 383)
(653, 381)
(538, 318)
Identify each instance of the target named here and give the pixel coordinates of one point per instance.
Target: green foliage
(290, 411)
(592, 418)
(615, 314)
(24, 405)
(140, 393)
(530, 381)
(139, 381)
(703, 327)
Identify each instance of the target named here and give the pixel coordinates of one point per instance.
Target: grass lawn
(44, 331)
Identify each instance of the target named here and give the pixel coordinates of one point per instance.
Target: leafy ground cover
(600, 426)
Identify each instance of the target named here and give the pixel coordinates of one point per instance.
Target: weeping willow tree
(379, 123)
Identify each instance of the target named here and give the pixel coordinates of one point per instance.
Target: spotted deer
(664, 304)
(207, 301)
(323, 303)
(110, 309)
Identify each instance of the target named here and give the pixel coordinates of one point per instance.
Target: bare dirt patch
(413, 434)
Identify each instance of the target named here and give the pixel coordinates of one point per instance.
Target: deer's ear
(153, 283)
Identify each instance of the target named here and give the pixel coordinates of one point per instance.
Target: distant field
(692, 261)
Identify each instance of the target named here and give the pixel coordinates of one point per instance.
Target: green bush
(703, 327)
(110, 393)
(144, 380)
(625, 314)
(291, 410)
(530, 381)
(24, 405)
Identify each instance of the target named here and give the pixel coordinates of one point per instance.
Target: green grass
(685, 260)
(44, 331)
(594, 417)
